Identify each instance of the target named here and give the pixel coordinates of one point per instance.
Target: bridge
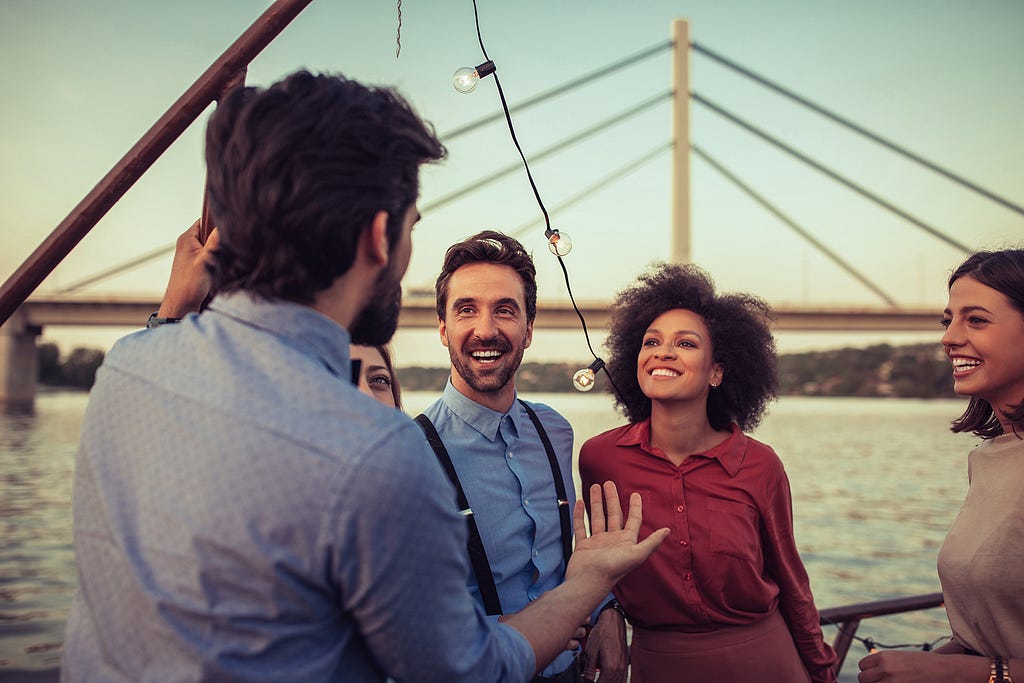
(24, 314)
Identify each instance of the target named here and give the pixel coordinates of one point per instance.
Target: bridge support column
(19, 366)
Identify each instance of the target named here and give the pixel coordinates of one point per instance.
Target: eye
(650, 342)
(946, 322)
(977, 320)
(380, 380)
(687, 343)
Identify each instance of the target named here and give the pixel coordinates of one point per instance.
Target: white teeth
(663, 372)
(964, 363)
(486, 355)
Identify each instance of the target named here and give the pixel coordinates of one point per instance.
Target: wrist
(612, 606)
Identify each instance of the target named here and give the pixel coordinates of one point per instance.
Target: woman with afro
(726, 597)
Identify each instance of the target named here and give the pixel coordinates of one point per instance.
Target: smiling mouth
(664, 372)
(486, 356)
(963, 366)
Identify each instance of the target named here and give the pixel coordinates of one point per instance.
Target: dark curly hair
(1003, 271)
(494, 247)
(741, 341)
(296, 172)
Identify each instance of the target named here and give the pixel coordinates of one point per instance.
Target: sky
(944, 79)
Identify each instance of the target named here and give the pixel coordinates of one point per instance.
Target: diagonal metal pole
(144, 153)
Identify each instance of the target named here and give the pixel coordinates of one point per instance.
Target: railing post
(847, 630)
(681, 141)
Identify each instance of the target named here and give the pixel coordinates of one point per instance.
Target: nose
(665, 351)
(485, 327)
(952, 336)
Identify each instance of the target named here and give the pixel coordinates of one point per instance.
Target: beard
(491, 379)
(377, 323)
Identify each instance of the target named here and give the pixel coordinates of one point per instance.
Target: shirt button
(526, 501)
(689, 576)
(683, 543)
(510, 454)
(680, 508)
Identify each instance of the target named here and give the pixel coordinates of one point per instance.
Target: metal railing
(848, 617)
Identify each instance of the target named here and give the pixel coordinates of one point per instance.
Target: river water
(876, 483)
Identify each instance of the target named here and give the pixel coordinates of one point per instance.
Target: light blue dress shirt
(243, 513)
(505, 473)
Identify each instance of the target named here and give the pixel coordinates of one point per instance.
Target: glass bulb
(559, 243)
(466, 79)
(584, 380)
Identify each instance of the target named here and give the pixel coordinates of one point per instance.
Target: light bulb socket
(486, 69)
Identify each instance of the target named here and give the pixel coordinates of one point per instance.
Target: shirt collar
(729, 453)
(480, 418)
(302, 327)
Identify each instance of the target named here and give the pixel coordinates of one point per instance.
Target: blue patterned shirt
(243, 513)
(505, 473)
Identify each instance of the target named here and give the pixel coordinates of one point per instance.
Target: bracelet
(155, 321)
(998, 671)
(613, 604)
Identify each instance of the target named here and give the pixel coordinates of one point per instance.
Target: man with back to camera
(511, 458)
(241, 511)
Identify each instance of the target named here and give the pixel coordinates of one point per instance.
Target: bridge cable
(558, 90)
(838, 260)
(557, 147)
(832, 174)
(892, 146)
(618, 174)
(116, 270)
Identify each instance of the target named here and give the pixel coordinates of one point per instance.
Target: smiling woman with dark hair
(726, 597)
(979, 563)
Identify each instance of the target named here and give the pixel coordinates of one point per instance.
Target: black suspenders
(475, 546)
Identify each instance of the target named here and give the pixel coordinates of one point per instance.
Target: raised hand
(612, 548)
(190, 280)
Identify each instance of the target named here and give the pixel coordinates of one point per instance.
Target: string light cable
(872, 645)
(559, 243)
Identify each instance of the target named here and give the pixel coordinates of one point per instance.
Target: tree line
(915, 371)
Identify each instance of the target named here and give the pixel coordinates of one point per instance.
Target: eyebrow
(507, 301)
(967, 309)
(695, 333)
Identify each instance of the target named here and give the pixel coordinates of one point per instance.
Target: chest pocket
(733, 529)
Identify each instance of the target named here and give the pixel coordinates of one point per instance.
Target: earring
(714, 385)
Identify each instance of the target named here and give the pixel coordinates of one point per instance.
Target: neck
(499, 400)
(681, 430)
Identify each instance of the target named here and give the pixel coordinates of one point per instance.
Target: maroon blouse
(731, 557)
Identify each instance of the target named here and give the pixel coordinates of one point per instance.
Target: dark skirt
(762, 652)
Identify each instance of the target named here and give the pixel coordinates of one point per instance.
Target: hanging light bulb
(467, 78)
(559, 243)
(585, 379)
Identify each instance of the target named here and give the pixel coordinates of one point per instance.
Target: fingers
(579, 525)
(647, 546)
(597, 520)
(636, 514)
(613, 507)
(213, 240)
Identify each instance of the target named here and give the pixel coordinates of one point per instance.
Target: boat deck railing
(848, 617)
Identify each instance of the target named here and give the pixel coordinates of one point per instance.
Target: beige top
(981, 563)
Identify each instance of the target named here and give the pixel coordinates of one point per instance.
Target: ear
(375, 240)
(529, 335)
(717, 373)
(442, 330)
